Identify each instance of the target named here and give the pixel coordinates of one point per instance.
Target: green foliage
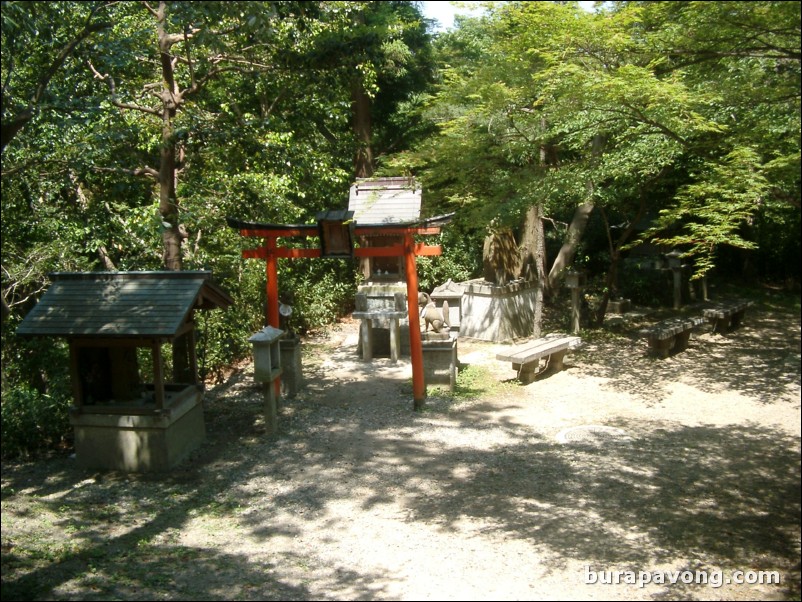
(461, 258)
(724, 196)
(631, 108)
(36, 394)
(322, 290)
(32, 421)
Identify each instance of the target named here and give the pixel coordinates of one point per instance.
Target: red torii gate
(270, 251)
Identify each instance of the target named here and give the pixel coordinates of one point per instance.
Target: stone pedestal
(366, 331)
(382, 309)
(151, 442)
(498, 313)
(619, 306)
(440, 361)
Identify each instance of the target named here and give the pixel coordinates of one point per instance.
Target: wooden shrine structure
(337, 231)
(120, 421)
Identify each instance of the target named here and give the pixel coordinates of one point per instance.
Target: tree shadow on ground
(760, 359)
(110, 535)
(671, 494)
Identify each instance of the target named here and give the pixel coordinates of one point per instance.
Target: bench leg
(737, 318)
(662, 347)
(555, 361)
(720, 324)
(527, 373)
(681, 341)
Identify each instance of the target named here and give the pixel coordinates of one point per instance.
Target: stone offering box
(128, 414)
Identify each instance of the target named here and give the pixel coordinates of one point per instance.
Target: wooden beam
(310, 230)
(392, 251)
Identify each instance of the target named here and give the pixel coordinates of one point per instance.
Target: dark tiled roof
(121, 304)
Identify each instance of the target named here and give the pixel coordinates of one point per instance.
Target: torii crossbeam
(270, 251)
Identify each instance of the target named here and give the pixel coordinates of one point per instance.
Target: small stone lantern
(267, 369)
(675, 264)
(674, 259)
(575, 280)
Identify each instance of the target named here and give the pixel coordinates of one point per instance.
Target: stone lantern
(575, 280)
(267, 370)
(675, 265)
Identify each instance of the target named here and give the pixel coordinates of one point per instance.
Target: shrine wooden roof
(385, 200)
(121, 304)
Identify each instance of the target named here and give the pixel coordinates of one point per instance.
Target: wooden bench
(671, 335)
(726, 315)
(526, 357)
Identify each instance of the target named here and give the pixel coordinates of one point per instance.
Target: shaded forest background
(131, 130)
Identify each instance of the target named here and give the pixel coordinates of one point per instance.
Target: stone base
(140, 443)
(497, 313)
(620, 306)
(440, 361)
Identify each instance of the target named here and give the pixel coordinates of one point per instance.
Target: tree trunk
(572, 239)
(361, 121)
(533, 260)
(611, 283)
(171, 100)
(579, 222)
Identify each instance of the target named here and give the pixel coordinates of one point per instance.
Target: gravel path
(621, 467)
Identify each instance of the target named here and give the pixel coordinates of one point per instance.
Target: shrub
(32, 422)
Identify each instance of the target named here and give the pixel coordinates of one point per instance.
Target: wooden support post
(158, 374)
(576, 310)
(272, 283)
(415, 344)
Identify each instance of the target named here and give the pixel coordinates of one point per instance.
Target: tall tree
(622, 96)
(194, 44)
(29, 68)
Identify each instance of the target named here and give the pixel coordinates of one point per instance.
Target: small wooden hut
(128, 414)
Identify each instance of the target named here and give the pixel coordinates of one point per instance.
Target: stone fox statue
(432, 315)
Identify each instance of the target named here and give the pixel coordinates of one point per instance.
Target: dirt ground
(622, 477)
